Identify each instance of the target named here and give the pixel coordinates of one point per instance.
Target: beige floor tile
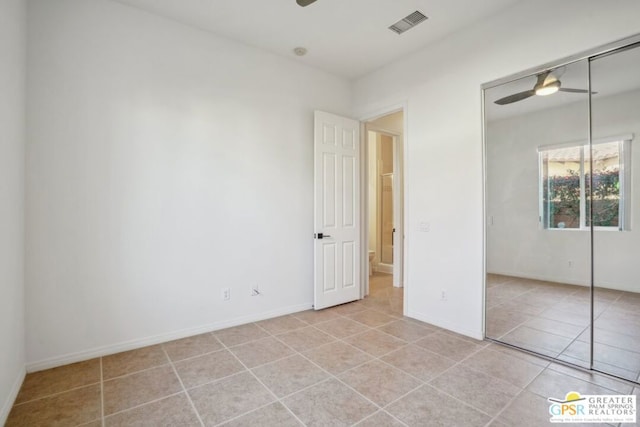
(350, 308)
(448, 345)
(240, 334)
(289, 375)
(274, 415)
(427, 406)
(375, 343)
(527, 406)
(407, 331)
(342, 327)
(316, 316)
(337, 357)
(380, 382)
(371, 318)
(592, 377)
(70, 408)
(56, 380)
(209, 367)
(418, 362)
(555, 327)
(484, 392)
(518, 354)
(305, 339)
(503, 366)
(229, 398)
(191, 346)
(263, 351)
(379, 419)
(330, 403)
(96, 423)
(551, 383)
(133, 361)
(172, 411)
(535, 340)
(125, 392)
(279, 325)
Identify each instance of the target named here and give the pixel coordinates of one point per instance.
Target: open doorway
(384, 137)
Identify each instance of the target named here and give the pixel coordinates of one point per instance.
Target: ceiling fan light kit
(304, 3)
(548, 89)
(546, 84)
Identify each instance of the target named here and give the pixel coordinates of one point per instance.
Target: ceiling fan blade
(566, 89)
(516, 97)
(304, 3)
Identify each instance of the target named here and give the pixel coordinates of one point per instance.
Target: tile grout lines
(184, 389)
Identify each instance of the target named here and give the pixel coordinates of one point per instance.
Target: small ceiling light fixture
(548, 89)
(300, 51)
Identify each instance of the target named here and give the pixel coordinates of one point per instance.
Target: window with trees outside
(571, 198)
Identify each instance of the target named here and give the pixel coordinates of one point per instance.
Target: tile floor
(358, 364)
(553, 319)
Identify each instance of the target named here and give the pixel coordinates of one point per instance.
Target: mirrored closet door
(562, 252)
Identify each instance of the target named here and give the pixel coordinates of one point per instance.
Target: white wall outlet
(570, 263)
(443, 295)
(424, 227)
(226, 294)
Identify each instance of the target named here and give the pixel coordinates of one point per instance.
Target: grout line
(144, 404)
(266, 388)
(524, 389)
(136, 372)
(184, 389)
(56, 394)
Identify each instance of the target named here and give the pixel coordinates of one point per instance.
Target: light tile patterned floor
(359, 364)
(553, 319)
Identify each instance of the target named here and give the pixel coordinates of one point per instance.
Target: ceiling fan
(546, 84)
(304, 3)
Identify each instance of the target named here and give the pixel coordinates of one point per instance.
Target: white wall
(164, 164)
(516, 245)
(441, 85)
(12, 139)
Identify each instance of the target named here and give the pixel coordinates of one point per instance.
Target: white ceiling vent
(408, 22)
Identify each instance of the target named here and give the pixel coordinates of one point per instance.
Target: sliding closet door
(614, 209)
(538, 239)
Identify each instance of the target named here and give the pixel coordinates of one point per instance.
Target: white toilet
(372, 255)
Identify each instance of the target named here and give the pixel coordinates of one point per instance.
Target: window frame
(624, 148)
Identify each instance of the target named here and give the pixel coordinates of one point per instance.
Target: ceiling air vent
(408, 22)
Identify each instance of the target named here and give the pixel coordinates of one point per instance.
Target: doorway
(384, 208)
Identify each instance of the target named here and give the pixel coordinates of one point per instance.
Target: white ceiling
(349, 38)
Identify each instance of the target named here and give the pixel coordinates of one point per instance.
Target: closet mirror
(562, 252)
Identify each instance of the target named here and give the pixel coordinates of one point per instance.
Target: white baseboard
(11, 398)
(476, 334)
(158, 339)
(384, 268)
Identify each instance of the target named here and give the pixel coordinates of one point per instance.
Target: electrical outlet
(226, 294)
(443, 296)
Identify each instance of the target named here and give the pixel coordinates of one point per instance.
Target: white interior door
(336, 210)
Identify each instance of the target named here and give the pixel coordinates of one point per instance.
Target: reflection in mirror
(562, 192)
(615, 113)
(538, 244)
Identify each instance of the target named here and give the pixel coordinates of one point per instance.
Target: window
(566, 195)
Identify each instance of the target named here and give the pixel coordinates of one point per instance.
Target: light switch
(424, 227)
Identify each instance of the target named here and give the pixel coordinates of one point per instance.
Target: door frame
(400, 162)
